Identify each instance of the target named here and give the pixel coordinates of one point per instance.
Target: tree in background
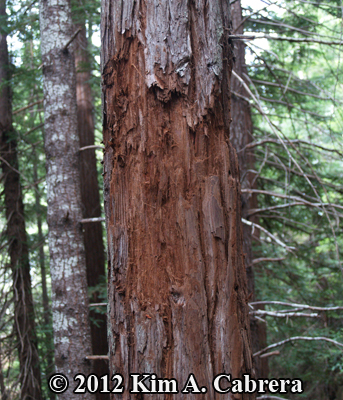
(24, 322)
(70, 304)
(241, 134)
(295, 93)
(177, 283)
(90, 197)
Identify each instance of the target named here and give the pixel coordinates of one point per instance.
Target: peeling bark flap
(212, 209)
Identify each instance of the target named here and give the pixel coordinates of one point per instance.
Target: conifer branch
(286, 39)
(26, 107)
(278, 241)
(307, 338)
(296, 305)
(72, 39)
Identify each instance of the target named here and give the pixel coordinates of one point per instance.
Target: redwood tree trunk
(95, 253)
(241, 134)
(24, 324)
(177, 282)
(67, 253)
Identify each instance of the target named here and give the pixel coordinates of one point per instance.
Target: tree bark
(67, 252)
(241, 134)
(95, 252)
(177, 283)
(3, 390)
(24, 324)
(45, 296)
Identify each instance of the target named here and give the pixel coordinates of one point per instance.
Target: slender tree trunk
(95, 253)
(4, 395)
(18, 250)
(241, 134)
(177, 282)
(67, 253)
(45, 296)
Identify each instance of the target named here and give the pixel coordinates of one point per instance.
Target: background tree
(241, 134)
(295, 95)
(67, 253)
(23, 29)
(90, 196)
(24, 323)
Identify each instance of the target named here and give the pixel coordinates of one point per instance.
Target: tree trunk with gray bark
(24, 323)
(45, 297)
(241, 134)
(177, 282)
(67, 252)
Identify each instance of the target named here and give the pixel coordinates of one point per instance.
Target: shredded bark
(177, 283)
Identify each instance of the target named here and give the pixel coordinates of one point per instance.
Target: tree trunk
(95, 253)
(4, 394)
(177, 283)
(241, 134)
(67, 253)
(24, 325)
(45, 296)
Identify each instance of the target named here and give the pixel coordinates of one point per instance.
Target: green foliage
(22, 26)
(299, 86)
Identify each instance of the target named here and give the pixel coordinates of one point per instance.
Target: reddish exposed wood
(177, 284)
(95, 252)
(241, 134)
(24, 324)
